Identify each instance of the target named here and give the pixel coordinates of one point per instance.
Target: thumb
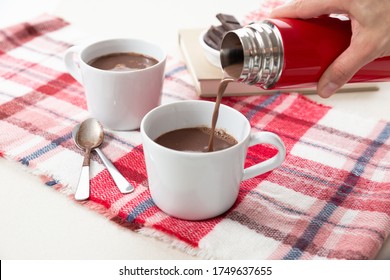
(307, 8)
(342, 70)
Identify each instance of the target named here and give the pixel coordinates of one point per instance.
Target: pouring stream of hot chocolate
(221, 90)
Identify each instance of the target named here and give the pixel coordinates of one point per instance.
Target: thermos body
(288, 53)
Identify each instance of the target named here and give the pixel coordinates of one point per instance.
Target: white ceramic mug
(118, 99)
(195, 186)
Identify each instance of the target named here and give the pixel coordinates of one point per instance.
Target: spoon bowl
(90, 134)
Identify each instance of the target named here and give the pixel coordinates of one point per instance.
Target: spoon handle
(123, 185)
(82, 191)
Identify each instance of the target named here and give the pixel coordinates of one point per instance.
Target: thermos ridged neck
(253, 54)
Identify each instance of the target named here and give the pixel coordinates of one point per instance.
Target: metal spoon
(123, 185)
(89, 136)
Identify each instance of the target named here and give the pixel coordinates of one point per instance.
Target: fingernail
(328, 90)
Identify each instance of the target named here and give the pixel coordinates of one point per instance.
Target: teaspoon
(123, 185)
(89, 136)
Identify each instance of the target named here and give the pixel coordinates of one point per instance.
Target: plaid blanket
(329, 200)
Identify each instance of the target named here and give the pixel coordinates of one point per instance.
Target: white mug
(118, 99)
(196, 186)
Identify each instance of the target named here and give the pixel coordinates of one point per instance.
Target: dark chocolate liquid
(221, 90)
(123, 61)
(201, 139)
(195, 139)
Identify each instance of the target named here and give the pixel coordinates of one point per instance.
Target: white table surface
(37, 222)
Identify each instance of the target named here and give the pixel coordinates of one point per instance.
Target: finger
(309, 8)
(342, 70)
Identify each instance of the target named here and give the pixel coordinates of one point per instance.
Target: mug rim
(194, 154)
(102, 41)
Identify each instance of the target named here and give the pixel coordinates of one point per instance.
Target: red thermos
(288, 53)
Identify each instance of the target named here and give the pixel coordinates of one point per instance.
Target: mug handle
(271, 163)
(72, 63)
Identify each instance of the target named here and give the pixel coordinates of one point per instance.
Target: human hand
(370, 40)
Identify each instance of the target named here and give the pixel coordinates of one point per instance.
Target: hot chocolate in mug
(201, 185)
(119, 98)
